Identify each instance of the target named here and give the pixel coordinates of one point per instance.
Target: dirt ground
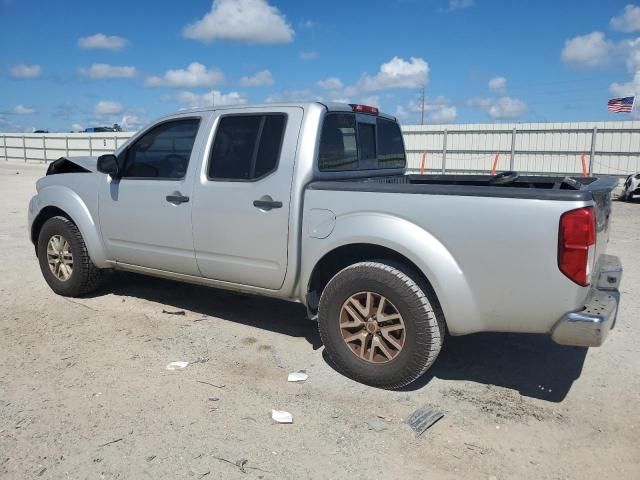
(84, 392)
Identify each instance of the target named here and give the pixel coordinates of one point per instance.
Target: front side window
(163, 152)
(246, 147)
(347, 144)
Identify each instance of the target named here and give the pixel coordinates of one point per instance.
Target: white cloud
(25, 71)
(100, 40)
(263, 77)
(308, 55)
(210, 99)
(628, 20)
(628, 88)
(250, 21)
(293, 96)
(195, 75)
(460, 4)
(591, 50)
(397, 73)
(76, 127)
(498, 84)
(106, 108)
(130, 123)
(507, 107)
(499, 108)
(437, 110)
(630, 49)
(331, 83)
(103, 70)
(22, 110)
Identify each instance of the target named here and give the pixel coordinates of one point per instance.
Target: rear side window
(338, 147)
(163, 152)
(348, 145)
(246, 147)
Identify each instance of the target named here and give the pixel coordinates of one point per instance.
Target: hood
(73, 165)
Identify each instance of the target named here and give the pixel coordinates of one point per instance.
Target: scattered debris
(177, 365)
(177, 312)
(213, 399)
(422, 419)
(222, 385)
(41, 472)
(376, 424)
(299, 376)
(204, 474)
(111, 442)
(281, 416)
(241, 463)
(200, 360)
(150, 458)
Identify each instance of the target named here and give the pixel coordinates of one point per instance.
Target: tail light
(576, 246)
(364, 109)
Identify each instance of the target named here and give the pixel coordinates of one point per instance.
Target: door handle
(267, 203)
(177, 198)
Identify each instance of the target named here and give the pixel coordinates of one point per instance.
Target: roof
(331, 106)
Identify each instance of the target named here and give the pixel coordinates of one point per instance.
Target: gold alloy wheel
(372, 327)
(59, 257)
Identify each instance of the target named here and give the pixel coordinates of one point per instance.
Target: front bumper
(590, 326)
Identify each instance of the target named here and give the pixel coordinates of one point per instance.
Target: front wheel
(64, 260)
(378, 324)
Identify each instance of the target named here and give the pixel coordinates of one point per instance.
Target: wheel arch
(366, 237)
(61, 201)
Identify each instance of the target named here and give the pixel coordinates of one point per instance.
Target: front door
(242, 197)
(145, 216)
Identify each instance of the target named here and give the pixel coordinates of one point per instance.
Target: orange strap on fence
(424, 157)
(495, 164)
(584, 166)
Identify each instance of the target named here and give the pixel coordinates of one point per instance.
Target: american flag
(621, 104)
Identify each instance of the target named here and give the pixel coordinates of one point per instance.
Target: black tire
(85, 276)
(413, 299)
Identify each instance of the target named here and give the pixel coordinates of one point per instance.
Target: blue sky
(66, 65)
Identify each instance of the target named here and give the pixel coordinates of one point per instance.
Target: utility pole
(422, 105)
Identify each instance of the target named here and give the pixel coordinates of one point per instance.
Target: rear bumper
(590, 326)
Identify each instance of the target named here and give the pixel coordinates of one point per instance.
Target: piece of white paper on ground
(177, 365)
(281, 416)
(297, 377)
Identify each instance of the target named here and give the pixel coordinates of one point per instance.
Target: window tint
(390, 146)
(163, 152)
(375, 146)
(338, 147)
(246, 147)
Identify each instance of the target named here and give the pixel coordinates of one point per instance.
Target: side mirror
(109, 164)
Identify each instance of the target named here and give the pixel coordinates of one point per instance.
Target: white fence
(598, 148)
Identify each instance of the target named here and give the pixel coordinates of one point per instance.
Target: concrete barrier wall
(599, 148)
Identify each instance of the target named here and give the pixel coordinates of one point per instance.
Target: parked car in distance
(311, 203)
(631, 187)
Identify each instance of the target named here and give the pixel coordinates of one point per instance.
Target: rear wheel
(64, 260)
(378, 324)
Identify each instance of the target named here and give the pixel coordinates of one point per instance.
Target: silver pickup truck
(311, 203)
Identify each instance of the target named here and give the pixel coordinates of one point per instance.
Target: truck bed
(525, 187)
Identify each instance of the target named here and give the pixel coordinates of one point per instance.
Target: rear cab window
(353, 142)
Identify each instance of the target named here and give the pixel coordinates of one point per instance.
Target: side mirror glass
(109, 164)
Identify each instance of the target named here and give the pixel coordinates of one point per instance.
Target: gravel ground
(84, 392)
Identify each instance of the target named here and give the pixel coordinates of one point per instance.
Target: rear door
(145, 216)
(242, 196)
